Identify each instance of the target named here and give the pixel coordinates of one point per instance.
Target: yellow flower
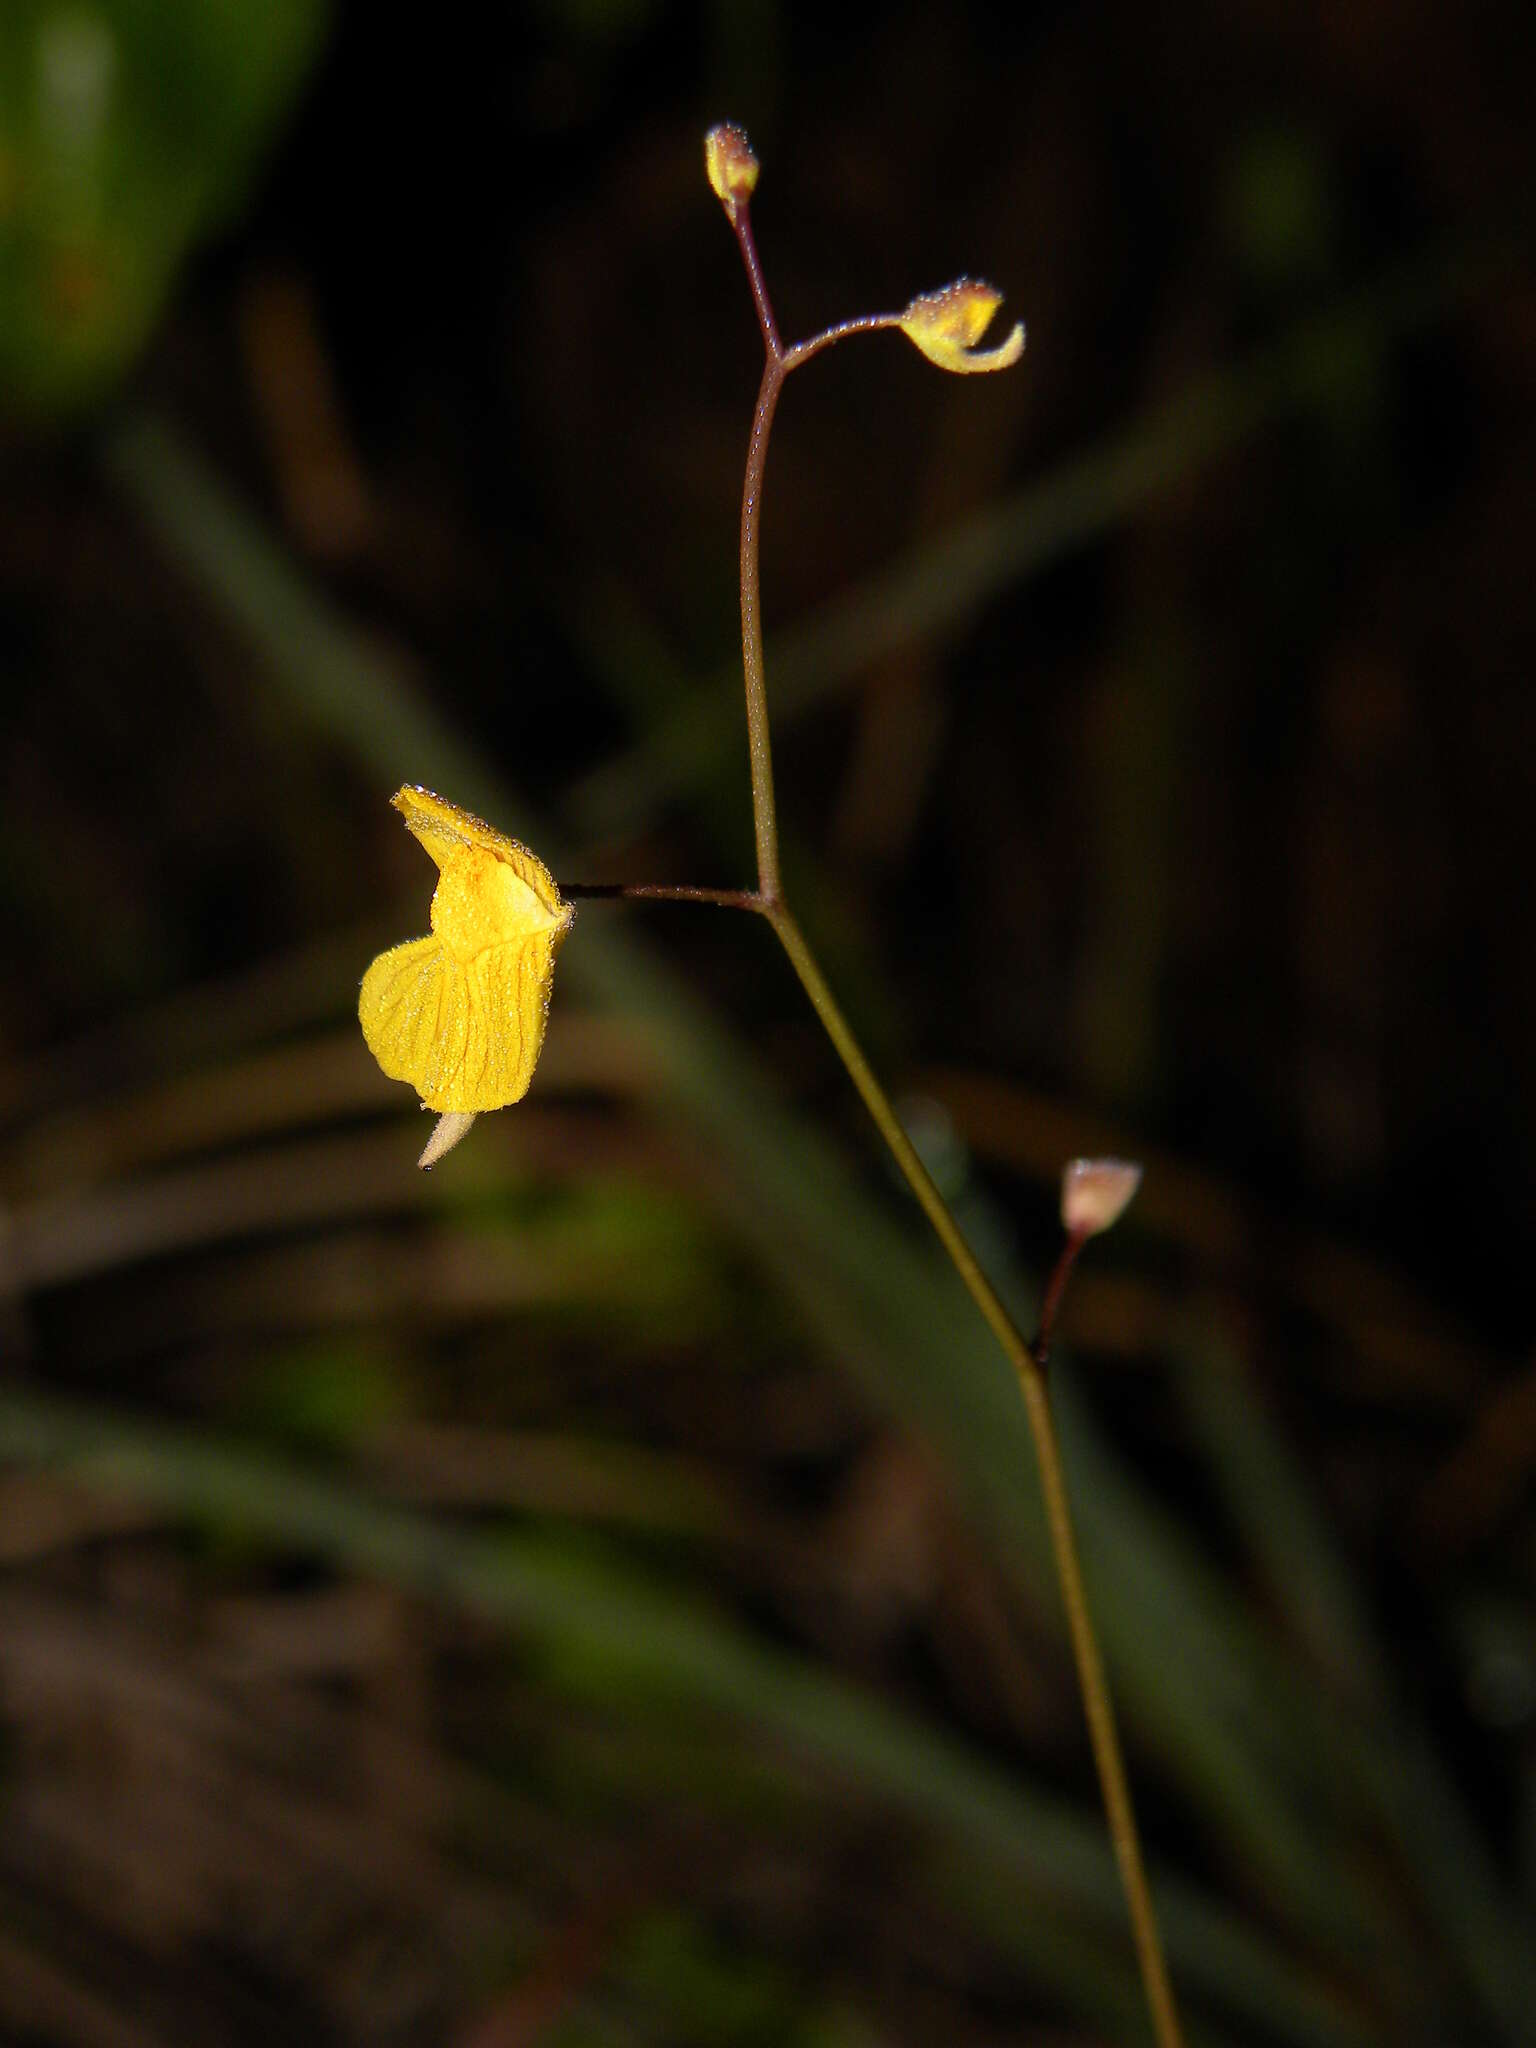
(461, 1015)
(947, 324)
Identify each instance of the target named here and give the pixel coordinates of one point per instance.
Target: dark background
(595, 1594)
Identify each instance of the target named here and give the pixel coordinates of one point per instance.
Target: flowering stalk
(946, 326)
(460, 1014)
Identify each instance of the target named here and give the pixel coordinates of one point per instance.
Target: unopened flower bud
(1095, 1193)
(731, 166)
(947, 324)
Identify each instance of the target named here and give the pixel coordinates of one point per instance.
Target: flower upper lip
(948, 323)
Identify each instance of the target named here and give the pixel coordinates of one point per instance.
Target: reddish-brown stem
(865, 323)
(777, 364)
(738, 212)
(660, 892)
(1055, 1288)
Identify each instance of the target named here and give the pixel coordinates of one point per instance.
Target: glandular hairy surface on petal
(414, 1010)
(482, 901)
(447, 832)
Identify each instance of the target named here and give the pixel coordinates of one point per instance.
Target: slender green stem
(759, 747)
(1028, 1361)
(889, 1125)
(1114, 1785)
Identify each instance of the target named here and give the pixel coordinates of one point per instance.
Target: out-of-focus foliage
(128, 128)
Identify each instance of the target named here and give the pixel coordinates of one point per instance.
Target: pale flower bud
(947, 324)
(1095, 1193)
(730, 164)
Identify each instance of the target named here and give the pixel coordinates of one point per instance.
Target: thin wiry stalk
(1027, 1360)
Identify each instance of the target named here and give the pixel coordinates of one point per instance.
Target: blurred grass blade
(618, 1627)
(1274, 1509)
(1270, 1505)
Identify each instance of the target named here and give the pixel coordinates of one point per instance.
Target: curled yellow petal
(729, 164)
(460, 1015)
(947, 324)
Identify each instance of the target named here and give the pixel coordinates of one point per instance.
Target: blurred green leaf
(707, 1994)
(128, 129)
(326, 1396)
(1279, 205)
